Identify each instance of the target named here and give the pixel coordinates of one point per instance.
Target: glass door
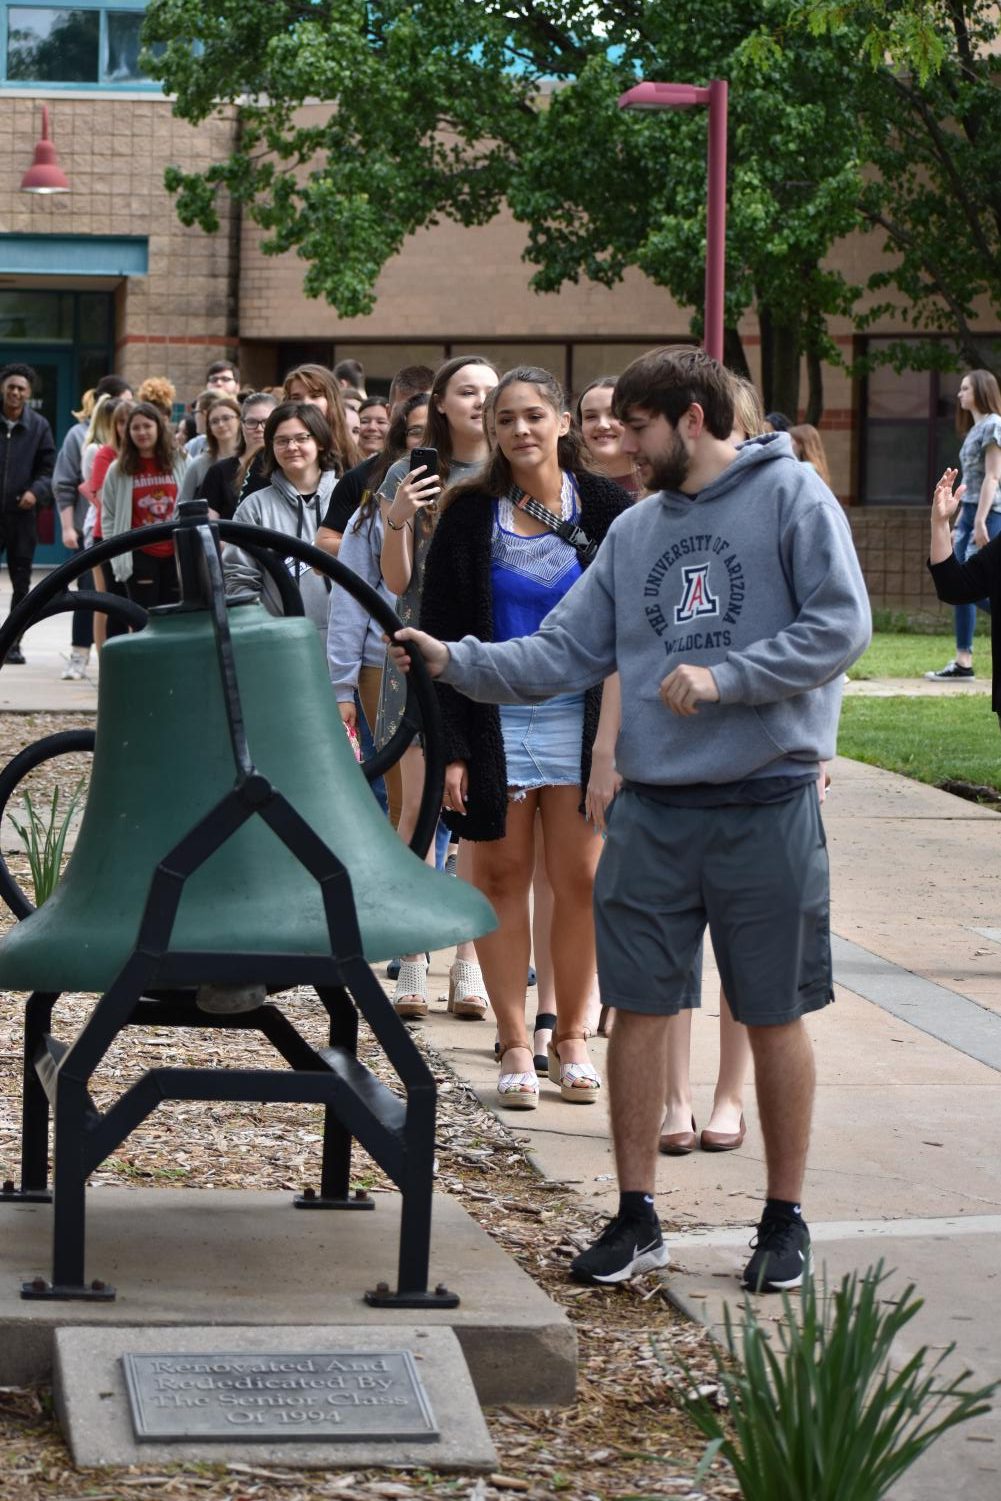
(53, 397)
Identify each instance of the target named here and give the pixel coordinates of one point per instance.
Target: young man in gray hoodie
(731, 603)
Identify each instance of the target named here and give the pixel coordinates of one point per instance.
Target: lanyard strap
(568, 530)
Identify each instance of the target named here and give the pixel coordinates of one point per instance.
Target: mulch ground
(626, 1438)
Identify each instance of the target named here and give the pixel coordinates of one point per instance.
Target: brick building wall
(892, 547)
(178, 318)
(215, 296)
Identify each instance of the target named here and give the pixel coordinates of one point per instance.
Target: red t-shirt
(103, 460)
(154, 496)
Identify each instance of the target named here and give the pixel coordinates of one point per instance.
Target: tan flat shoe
(724, 1141)
(679, 1143)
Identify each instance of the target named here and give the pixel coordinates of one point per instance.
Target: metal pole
(716, 220)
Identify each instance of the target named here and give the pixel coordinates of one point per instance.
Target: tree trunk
(815, 381)
(780, 346)
(734, 357)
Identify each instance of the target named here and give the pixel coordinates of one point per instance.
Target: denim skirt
(542, 742)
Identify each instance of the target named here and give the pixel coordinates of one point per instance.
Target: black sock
(636, 1206)
(782, 1209)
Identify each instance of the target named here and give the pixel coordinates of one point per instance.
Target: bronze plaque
(340, 1395)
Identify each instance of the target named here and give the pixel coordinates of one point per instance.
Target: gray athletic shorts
(756, 875)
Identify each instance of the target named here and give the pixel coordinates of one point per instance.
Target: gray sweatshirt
(67, 475)
(354, 639)
(280, 507)
(755, 578)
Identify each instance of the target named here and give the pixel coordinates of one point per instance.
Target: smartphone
(426, 456)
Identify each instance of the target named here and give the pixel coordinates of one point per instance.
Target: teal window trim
(73, 255)
(104, 7)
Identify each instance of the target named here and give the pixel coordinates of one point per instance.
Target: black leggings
(18, 536)
(154, 581)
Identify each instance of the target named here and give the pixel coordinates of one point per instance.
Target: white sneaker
(76, 664)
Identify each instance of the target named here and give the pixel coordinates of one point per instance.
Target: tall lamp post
(684, 96)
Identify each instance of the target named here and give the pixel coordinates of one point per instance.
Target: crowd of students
(475, 501)
(450, 543)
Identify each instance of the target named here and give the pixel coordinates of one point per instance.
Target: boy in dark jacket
(27, 456)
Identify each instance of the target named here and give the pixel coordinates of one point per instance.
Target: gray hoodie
(755, 578)
(280, 507)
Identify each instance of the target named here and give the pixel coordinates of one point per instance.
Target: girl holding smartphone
(409, 495)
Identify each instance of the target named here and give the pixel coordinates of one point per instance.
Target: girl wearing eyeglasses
(222, 434)
(300, 464)
(230, 480)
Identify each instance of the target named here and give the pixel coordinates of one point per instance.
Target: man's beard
(669, 469)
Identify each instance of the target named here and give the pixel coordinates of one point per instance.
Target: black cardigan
(965, 584)
(457, 601)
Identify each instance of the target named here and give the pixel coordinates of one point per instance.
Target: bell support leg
(335, 1164)
(34, 1187)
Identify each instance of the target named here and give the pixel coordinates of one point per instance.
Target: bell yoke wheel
(270, 549)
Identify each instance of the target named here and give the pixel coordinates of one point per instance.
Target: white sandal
(410, 999)
(467, 994)
(580, 1083)
(517, 1091)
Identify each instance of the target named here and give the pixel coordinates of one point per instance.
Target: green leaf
(816, 1408)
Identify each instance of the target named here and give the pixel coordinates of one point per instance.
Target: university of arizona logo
(697, 600)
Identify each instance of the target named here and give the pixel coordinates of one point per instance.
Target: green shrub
(824, 1416)
(44, 839)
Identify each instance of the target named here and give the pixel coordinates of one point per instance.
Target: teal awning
(74, 255)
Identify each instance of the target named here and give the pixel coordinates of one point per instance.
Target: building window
(908, 433)
(91, 44)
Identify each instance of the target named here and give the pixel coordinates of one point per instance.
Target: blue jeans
(963, 547)
(368, 749)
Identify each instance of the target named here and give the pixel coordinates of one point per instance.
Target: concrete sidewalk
(38, 686)
(905, 1163)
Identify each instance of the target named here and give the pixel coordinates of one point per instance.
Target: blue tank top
(529, 575)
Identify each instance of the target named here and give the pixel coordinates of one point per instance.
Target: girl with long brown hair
(454, 429)
(496, 566)
(230, 480)
(808, 446)
(602, 432)
(355, 648)
(222, 437)
(317, 386)
(141, 489)
(978, 420)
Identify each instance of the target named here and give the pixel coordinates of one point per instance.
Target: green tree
(935, 193)
(425, 115)
(904, 33)
(602, 190)
(444, 108)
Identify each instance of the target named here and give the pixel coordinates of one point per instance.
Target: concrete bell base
(225, 1258)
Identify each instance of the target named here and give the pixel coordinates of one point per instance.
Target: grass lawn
(930, 739)
(903, 655)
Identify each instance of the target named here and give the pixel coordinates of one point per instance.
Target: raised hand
(944, 500)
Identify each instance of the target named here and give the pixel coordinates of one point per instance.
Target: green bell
(164, 758)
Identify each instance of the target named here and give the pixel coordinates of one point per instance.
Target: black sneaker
(15, 656)
(624, 1248)
(950, 672)
(782, 1256)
